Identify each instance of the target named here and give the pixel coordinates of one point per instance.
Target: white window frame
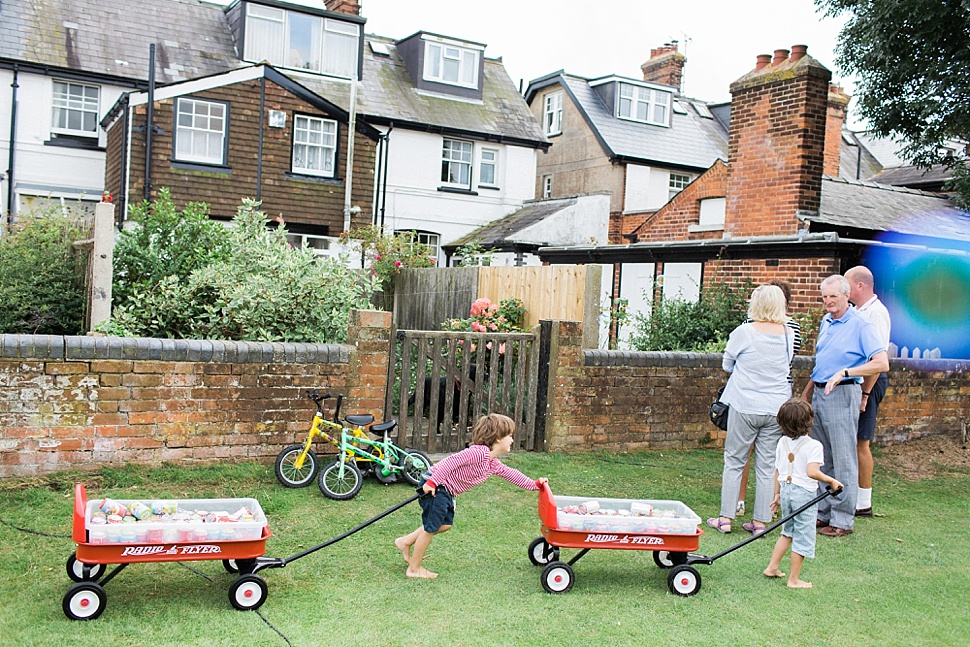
(640, 103)
(677, 183)
(457, 154)
(441, 57)
(547, 186)
(484, 162)
(319, 245)
(429, 238)
(314, 135)
(67, 104)
(198, 129)
(334, 44)
(552, 113)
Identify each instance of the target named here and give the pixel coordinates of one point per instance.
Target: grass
(900, 579)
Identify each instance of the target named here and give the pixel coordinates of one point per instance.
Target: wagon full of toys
(122, 532)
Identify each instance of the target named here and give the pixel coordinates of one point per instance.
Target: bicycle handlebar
(314, 394)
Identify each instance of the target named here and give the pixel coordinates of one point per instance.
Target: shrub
(42, 275)
(386, 255)
(507, 316)
(704, 326)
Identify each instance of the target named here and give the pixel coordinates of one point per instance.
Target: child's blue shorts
(437, 510)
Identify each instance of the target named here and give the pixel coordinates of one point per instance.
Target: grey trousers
(836, 424)
(744, 430)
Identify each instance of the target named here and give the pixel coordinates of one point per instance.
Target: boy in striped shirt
(492, 436)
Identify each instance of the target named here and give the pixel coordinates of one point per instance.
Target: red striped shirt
(464, 470)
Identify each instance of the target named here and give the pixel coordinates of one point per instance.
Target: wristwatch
(846, 372)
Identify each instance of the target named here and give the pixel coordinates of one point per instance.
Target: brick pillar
(838, 101)
(564, 388)
(369, 335)
(777, 144)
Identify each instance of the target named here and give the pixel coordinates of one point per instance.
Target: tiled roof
(502, 233)
(876, 207)
(111, 37)
(691, 140)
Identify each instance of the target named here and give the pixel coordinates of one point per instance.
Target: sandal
(723, 527)
(753, 529)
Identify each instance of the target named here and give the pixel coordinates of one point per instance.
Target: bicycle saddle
(360, 420)
(383, 427)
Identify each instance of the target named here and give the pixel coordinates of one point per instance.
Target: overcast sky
(593, 38)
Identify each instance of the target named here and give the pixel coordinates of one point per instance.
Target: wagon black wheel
(84, 601)
(668, 559)
(247, 593)
(230, 565)
(337, 486)
(289, 474)
(684, 580)
(542, 552)
(75, 570)
(557, 577)
(413, 464)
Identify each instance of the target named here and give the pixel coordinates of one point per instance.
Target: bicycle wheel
(413, 464)
(289, 474)
(338, 487)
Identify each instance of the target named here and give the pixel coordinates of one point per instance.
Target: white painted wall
(682, 281)
(413, 200)
(41, 170)
(636, 286)
(646, 189)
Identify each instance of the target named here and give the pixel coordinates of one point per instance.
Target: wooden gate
(439, 383)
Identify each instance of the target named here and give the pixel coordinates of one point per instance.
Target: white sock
(865, 499)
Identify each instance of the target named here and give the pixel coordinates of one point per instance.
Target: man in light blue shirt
(847, 350)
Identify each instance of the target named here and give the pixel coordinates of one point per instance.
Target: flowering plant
(387, 254)
(486, 316)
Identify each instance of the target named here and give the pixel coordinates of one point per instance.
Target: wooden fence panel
(426, 297)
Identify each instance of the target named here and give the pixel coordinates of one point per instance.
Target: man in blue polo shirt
(848, 349)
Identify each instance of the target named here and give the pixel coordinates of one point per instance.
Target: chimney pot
(781, 55)
(798, 52)
(763, 60)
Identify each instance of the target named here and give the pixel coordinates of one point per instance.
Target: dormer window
(301, 41)
(649, 105)
(446, 62)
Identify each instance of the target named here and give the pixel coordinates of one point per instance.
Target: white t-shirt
(876, 313)
(806, 450)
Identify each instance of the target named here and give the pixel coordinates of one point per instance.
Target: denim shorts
(436, 510)
(801, 528)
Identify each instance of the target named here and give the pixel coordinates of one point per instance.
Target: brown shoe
(821, 524)
(864, 512)
(832, 531)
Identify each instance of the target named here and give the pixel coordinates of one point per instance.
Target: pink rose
(397, 263)
(477, 327)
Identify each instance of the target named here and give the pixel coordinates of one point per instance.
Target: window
(644, 104)
(319, 245)
(314, 146)
(456, 163)
(200, 131)
(546, 186)
(76, 108)
(451, 64)
(677, 184)
(428, 238)
(301, 41)
(712, 212)
(553, 114)
(487, 166)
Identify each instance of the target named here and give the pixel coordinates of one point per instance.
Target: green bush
(259, 289)
(702, 326)
(42, 275)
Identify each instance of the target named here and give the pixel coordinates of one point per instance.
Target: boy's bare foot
(773, 573)
(404, 548)
(799, 584)
(428, 575)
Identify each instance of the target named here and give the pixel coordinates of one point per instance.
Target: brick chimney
(777, 144)
(351, 7)
(835, 118)
(666, 66)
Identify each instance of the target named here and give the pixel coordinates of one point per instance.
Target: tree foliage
(911, 58)
(42, 275)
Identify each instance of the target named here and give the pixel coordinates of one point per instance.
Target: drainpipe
(350, 153)
(150, 122)
(262, 122)
(13, 142)
(387, 149)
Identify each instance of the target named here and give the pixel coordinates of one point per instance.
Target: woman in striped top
(492, 436)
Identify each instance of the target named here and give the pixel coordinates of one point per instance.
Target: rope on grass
(34, 532)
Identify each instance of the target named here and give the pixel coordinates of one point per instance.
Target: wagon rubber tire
(338, 488)
(247, 592)
(684, 580)
(668, 559)
(75, 570)
(557, 577)
(85, 601)
(230, 565)
(410, 467)
(542, 552)
(286, 471)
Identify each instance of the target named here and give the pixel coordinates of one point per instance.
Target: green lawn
(901, 579)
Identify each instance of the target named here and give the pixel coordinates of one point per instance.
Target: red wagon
(236, 538)
(668, 528)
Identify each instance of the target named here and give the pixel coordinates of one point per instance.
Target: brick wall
(86, 402)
